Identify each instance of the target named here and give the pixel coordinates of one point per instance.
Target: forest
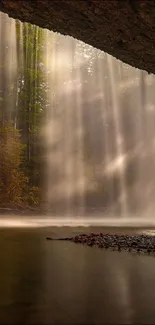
(22, 108)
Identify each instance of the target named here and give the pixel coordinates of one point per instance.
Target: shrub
(12, 179)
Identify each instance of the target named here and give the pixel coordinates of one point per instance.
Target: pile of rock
(139, 243)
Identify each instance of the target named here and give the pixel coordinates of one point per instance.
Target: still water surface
(44, 282)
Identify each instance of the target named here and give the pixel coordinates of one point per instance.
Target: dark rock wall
(122, 28)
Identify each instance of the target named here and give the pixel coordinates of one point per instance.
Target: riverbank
(21, 211)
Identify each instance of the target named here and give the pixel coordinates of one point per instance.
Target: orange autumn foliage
(12, 179)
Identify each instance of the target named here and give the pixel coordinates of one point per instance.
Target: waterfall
(101, 138)
(86, 122)
(8, 66)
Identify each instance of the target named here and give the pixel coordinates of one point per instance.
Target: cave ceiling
(122, 28)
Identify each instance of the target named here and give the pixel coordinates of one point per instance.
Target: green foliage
(23, 101)
(33, 196)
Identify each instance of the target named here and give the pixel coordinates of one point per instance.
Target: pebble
(131, 243)
(138, 243)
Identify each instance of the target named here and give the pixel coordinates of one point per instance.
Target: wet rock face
(124, 29)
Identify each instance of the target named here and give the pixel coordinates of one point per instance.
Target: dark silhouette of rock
(130, 37)
(135, 243)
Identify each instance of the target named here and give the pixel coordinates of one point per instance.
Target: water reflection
(50, 282)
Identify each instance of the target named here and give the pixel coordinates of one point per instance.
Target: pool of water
(54, 282)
